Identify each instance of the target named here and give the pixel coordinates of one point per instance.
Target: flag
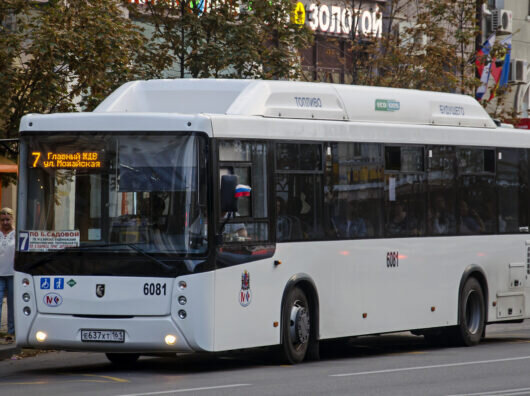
(242, 191)
(484, 78)
(501, 67)
(482, 56)
(483, 63)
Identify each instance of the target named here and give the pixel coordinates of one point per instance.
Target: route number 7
(23, 241)
(36, 154)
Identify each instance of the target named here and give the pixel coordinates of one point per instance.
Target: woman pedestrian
(7, 258)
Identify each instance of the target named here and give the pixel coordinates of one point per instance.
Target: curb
(6, 351)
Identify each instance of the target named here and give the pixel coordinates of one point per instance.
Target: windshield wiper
(57, 253)
(149, 256)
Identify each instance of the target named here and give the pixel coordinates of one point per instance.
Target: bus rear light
(170, 339)
(25, 282)
(365, 315)
(182, 285)
(182, 314)
(26, 297)
(433, 309)
(182, 300)
(41, 336)
(26, 311)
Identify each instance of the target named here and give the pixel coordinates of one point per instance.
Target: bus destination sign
(44, 240)
(83, 159)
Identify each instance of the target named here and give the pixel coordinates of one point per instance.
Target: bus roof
(296, 100)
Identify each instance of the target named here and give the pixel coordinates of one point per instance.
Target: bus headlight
(170, 339)
(182, 314)
(182, 285)
(41, 336)
(26, 297)
(182, 300)
(25, 282)
(26, 311)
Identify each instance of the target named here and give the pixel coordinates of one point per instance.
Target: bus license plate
(97, 335)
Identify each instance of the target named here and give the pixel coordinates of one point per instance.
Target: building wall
(521, 50)
(518, 98)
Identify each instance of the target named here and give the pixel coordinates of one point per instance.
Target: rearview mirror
(228, 192)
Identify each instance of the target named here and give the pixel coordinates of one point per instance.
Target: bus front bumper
(155, 334)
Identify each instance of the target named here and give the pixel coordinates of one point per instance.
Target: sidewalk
(6, 350)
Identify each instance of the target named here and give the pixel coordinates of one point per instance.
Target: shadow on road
(357, 347)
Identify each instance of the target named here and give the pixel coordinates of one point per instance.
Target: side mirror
(228, 192)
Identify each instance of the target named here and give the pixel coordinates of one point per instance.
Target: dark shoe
(8, 339)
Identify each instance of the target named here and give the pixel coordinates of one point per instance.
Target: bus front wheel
(471, 314)
(296, 326)
(123, 359)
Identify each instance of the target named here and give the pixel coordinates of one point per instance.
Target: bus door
(244, 245)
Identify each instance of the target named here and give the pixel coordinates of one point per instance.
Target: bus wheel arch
(472, 306)
(300, 285)
(478, 273)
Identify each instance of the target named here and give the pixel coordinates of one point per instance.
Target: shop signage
(341, 20)
(331, 18)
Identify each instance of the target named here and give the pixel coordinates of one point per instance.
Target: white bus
(372, 210)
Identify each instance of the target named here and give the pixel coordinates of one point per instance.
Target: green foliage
(425, 45)
(233, 39)
(65, 56)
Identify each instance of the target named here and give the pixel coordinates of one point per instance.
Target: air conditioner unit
(501, 21)
(518, 71)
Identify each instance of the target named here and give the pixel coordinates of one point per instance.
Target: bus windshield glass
(116, 192)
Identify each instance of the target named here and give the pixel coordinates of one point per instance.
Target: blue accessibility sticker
(45, 283)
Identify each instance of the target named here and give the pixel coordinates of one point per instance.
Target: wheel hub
(300, 325)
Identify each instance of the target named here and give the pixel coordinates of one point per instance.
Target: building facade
(513, 17)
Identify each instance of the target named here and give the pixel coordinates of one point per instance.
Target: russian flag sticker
(242, 191)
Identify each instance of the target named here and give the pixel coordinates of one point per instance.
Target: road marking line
(498, 392)
(524, 393)
(24, 383)
(431, 367)
(187, 390)
(115, 379)
(91, 381)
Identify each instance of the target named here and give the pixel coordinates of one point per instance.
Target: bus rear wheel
(123, 359)
(296, 326)
(471, 314)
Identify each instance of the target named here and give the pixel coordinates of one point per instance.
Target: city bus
(213, 215)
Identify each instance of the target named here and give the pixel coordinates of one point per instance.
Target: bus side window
(512, 189)
(477, 206)
(404, 191)
(299, 191)
(441, 180)
(353, 191)
(248, 161)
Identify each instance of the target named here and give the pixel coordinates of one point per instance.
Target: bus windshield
(116, 192)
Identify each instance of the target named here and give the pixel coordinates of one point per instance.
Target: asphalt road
(399, 364)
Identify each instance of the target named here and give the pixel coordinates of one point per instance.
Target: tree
(64, 56)
(423, 45)
(235, 39)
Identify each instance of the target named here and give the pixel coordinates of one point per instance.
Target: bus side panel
(359, 291)
(245, 324)
(405, 284)
(244, 316)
